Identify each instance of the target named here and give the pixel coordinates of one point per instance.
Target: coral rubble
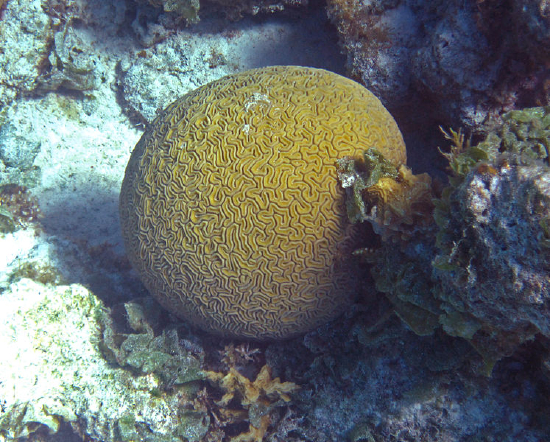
(55, 372)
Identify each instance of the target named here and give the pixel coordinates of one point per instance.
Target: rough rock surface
(25, 34)
(53, 371)
(502, 216)
(461, 62)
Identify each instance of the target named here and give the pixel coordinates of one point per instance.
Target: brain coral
(230, 207)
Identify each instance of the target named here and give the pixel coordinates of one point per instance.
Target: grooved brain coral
(231, 209)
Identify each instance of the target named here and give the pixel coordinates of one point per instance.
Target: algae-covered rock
(25, 36)
(173, 66)
(493, 263)
(71, 63)
(16, 149)
(147, 353)
(448, 61)
(7, 224)
(187, 10)
(53, 371)
(236, 9)
(481, 268)
(403, 274)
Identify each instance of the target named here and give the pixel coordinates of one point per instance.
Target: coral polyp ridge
(231, 208)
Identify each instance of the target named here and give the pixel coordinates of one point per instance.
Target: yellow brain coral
(230, 207)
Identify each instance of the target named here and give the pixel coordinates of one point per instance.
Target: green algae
(437, 279)
(358, 175)
(7, 223)
(37, 271)
(146, 353)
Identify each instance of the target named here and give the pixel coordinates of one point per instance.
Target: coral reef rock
(188, 10)
(495, 235)
(480, 267)
(462, 62)
(53, 371)
(172, 67)
(25, 36)
(231, 209)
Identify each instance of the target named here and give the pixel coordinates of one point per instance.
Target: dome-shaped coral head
(231, 208)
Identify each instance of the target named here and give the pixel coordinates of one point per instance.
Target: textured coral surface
(231, 209)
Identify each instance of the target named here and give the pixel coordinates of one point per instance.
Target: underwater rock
(72, 64)
(25, 36)
(462, 62)
(45, 46)
(230, 207)
(235, 9)
(528, 30)
(496, 261)
(172, 67)
(188, 10)
(53, 371)
(483, 271)
(17, 149)
(393, 385)
(452, 70)
(20, 145)
(494, 236)
(378, 37)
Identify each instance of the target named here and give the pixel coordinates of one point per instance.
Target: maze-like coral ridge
(230, 207)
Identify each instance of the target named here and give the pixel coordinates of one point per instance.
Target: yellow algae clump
(231, 208)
